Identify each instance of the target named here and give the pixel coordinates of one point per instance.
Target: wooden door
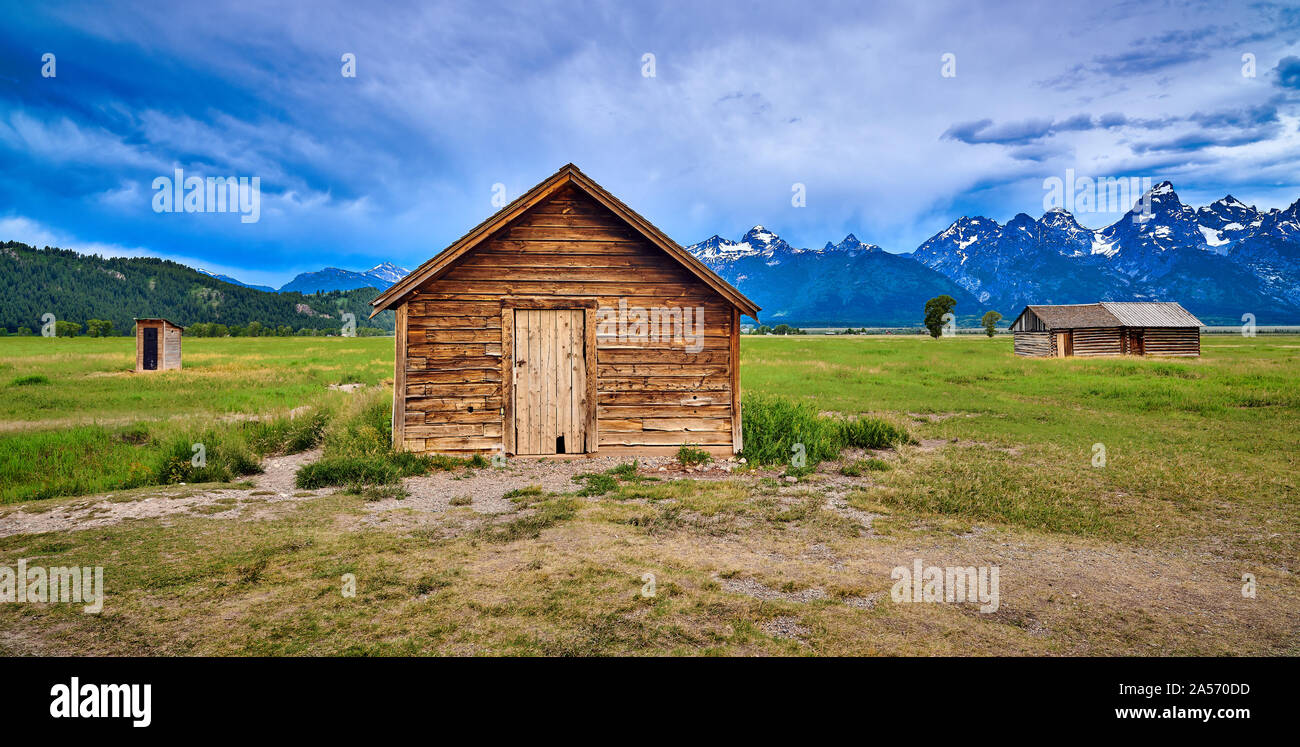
(1064, 344)
(550, 381)
(151, 348)
(1136, 342)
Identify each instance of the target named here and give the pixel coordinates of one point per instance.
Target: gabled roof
(1072, 316)
(568, 174)
(1149, 314)
(155, 319)
(1154, 314)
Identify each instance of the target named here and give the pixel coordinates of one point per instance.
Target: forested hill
(77, 287)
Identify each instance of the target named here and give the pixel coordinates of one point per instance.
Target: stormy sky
(896, 118)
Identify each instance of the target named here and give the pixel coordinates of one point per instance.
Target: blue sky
(748, 99)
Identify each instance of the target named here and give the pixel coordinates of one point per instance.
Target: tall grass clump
(358, 449)
(223, 456)
(773, 425)
(290, 434)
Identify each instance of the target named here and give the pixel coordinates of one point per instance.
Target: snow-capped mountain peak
(1225, 221)
(388, 272)
(757, 240)
(851, 245)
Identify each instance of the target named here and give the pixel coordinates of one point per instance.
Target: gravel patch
(751, 588)
(785, 627)
(274, 485)
(485, 487)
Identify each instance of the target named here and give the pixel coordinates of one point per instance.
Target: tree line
(84, 288)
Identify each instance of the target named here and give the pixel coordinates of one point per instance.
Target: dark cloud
(1077, 122)
(1198, 140)
(1010, 133)
(1250, 116)
(983, 131)
(1143, 61)
(1288, 73)
(1113, 119)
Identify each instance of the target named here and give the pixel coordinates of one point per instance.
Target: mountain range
(381, 276)
(1220, 261)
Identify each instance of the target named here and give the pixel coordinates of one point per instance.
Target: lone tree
(935, 308)
(990, 320)
(99, 327)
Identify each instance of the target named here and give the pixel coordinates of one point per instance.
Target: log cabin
(157, 345)
(566, 324)
(1107, 328)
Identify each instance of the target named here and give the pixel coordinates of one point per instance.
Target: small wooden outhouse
(157, 345)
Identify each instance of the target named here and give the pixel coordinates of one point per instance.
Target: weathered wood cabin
(566, 324)
(1107, 328)
(157, 345)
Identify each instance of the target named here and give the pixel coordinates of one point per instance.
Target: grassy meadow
(75, 419)
(1143, 555)
(1191, 445)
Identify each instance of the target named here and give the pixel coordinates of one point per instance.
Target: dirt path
(274, 485)
(485, 488)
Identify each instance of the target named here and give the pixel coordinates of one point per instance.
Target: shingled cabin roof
(1151, 314)
(1148, 314)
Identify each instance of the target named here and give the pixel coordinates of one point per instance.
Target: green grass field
(1191, 445)
(1142, 555)
(75, 419)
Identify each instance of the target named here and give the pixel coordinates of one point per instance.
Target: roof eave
(567, 174)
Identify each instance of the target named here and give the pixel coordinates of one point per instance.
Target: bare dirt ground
(806, 584)
(274, 485)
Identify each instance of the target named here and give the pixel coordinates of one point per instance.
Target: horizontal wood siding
(651, 395)
(1174, 341)
(1034, 344)
(1097, 342)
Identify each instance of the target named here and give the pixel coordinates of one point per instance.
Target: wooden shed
(157, 345)
(566, 324)
(1107, 328)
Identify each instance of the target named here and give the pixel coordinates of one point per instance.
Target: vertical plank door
(550, 381)
(151, 348)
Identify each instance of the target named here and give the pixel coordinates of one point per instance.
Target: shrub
(30, 380)
(358, 449)
(224, 457)
(290, 434)
(774, 425)
(870, 433)
(383, 469)
(597, 483)
(624, 471)
(690, 456)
